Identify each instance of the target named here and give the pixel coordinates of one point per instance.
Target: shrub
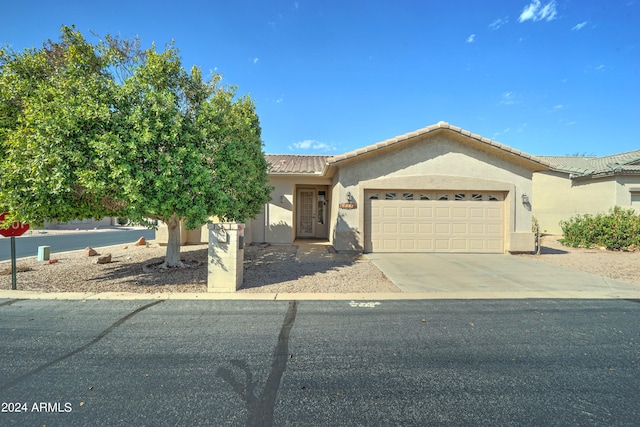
(617, 230)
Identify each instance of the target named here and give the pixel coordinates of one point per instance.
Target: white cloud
(498, 23)
(471, 38)
(509, 98)
(579, 26)
(256, 60)
(600, 67)
(308, 144)
(558, 107)
(535, 11)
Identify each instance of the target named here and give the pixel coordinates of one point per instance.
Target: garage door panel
(442, 245)
(425, 245)
(442, 212)
(390, 228)
(434, 225)
(494, 229)
(459, 228)
(442, 228)
(390, 212)
(460, 212)
(425, 213)
(408, 212)
(476, 213)
(406, 228)
(494, 213)
(476, 229)
(408, 245)
(425, 228)
(390, 244)
(477, 245)
(460, 245)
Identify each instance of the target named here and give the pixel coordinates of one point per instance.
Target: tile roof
(577, 166)
(582, 166)
(296, 164)
(433, 128)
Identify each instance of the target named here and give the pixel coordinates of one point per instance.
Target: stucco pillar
(226, 257)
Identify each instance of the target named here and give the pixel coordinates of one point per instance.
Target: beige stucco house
(437, 189)
(584, 184)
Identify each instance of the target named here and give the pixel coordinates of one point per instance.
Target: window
(476, 197)
(459, 196)
(374, 196)
(390, 196)
(443, 197)
(407, 196)
(424, 197)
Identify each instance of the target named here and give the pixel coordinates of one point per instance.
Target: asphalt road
(27, 246)
(312, 363)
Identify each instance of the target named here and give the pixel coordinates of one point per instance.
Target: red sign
(16, 229)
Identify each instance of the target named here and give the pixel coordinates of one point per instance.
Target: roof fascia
(440, 126)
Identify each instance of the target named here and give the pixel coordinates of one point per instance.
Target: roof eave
(537, 163)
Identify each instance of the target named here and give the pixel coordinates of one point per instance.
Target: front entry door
(306, 226)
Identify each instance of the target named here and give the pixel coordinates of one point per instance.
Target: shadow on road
(260, 408)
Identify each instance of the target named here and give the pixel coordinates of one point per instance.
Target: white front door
(306, 224)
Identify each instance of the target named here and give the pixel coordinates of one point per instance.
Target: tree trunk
(172, 258)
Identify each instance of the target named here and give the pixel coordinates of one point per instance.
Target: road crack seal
(261, 408)
(103, 334)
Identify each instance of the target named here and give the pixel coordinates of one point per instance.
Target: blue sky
(546, 77)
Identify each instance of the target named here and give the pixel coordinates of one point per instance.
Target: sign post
(16, 229)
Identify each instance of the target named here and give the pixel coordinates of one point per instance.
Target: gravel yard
(272, 269)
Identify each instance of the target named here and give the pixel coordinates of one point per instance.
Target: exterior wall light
(525, 199)
(282, 198)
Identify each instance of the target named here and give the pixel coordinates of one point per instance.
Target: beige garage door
(430, 221)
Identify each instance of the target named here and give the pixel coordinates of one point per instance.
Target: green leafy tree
(108, 129)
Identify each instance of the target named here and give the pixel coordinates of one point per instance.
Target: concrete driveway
(494, 276)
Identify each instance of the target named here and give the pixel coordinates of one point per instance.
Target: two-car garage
(434, 221)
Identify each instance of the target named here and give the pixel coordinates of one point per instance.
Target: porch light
(525, 199)
(282, 198)
(350, 198)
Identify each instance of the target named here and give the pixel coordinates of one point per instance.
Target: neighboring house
(584, 184)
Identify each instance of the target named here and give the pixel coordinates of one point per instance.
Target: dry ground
(270, 269)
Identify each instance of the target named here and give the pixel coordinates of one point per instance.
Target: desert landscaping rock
(271, 268)
(106, 259)
(141, 242)
(90, 251)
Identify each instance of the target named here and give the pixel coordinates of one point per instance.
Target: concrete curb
(240, 296)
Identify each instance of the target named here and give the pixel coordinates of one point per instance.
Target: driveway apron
(460, 274)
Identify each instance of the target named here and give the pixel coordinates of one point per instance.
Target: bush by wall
(617, 230)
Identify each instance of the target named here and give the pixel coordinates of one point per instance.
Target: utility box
(44, 252)
(226, 257)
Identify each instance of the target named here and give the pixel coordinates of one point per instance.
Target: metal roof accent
(296, 164)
